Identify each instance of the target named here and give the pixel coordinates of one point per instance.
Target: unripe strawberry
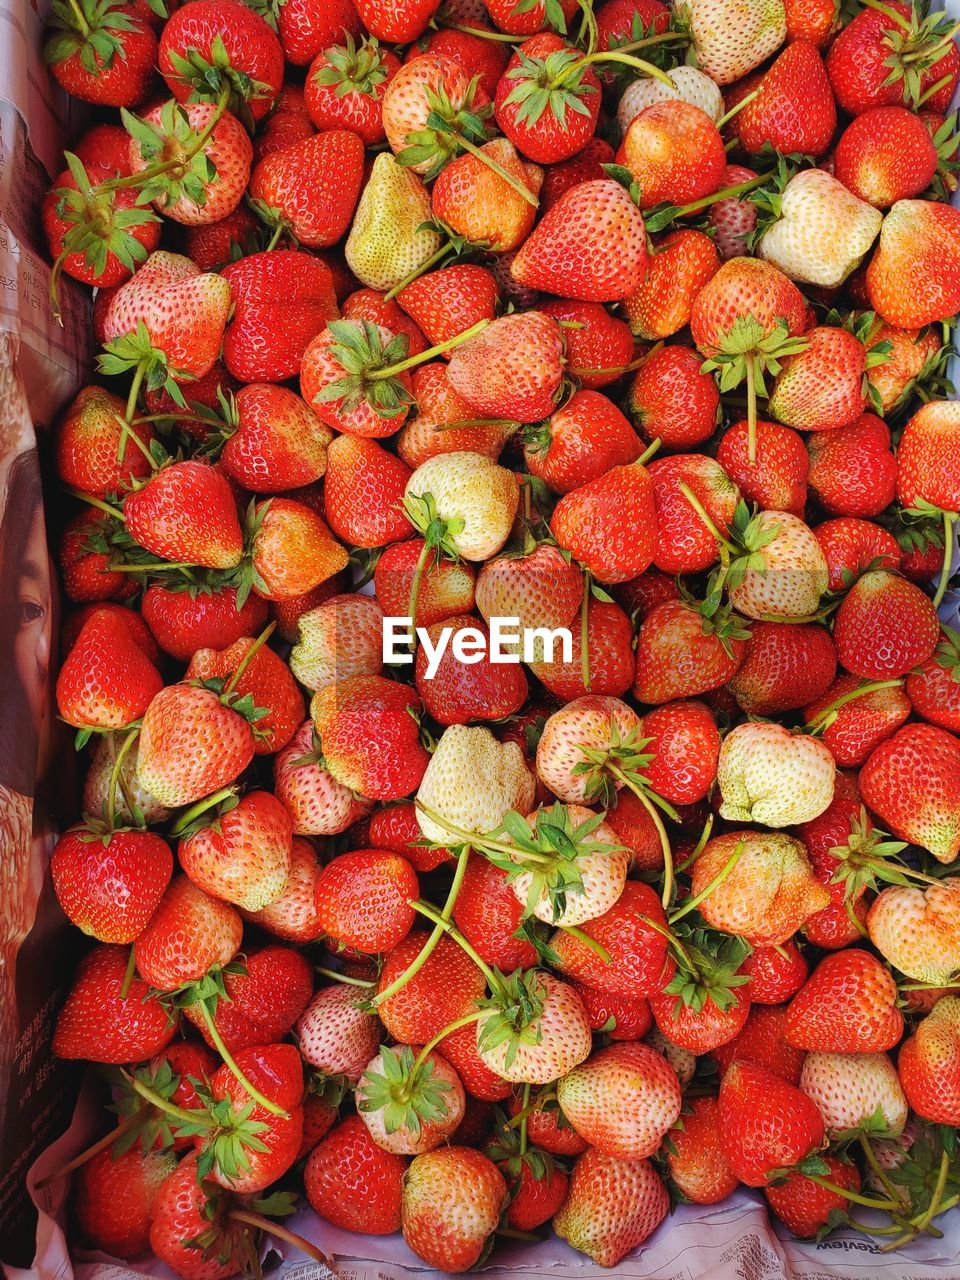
(476, 498)
(823, 232)
(472, 780)
(849, 1089)
(918, 930)
(388, 241)
(769, 775)
(341, 637)
(622, 1100)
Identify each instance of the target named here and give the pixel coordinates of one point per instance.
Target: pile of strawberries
(620, 319)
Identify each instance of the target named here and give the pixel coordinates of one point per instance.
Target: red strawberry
(851, 545)
(446, 588)
(444, 989)
(188, 935)
(885, 626)
(927, 1064)
(531, 19)
(109, 882)
(822, 387)
(927, 458)
(307, 26)
(190, 744)
(293, 916)
(362, 900)
(101, 1025)
(599, 349)
(368, 304)
(104, 56)
(765, 1123)
(183, 1211)
(277, 443)
(695, 1157)
(77, 619)
(363, 487)
(84, 558)
(671, 400)
(212, 245)
(683, 740)
(609, 663)
(680, 265)
(114, 1197)
(913, 277)
(266, 678)
(734, 218)
(886, 155)
(280, 301)
(934, 688)
(853, 471)
(785, 665)
(488, 913)
(777, 479)
(794, 108)
(187, 512)
(638, 953)
(684, 543)
(396, 827)
(675, 153)
(107, 681)
(579, 442)
(619, 1017)
(183, 622)
(477, 54)
(681, 653)
(513, 369)
(263, 1002)
(457, 693)
(776, 973)
(447, 302)
(313, 185)
(847, 1005)
(610, 524)
(353, 1183)
(345, 85)
(804, 1206)
(851, 730)
(240, 853)
(369, 732)
(398, 21)
(548, 99)
(911, 783)
(762, 1043)
(479, 203)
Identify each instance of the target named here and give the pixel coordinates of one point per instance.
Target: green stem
(115, 780)
(278, 231)
(342, 977)
(482, 844)
(698, 847)
(231, 1065)
(275, 1229)
(866, 1146)
(892, 14)
(874, 686)
(424, 909)
(949, 517)
(692, 903)
(591, 943)
(85, 1156)
(134, 392)
(82, 24)
(701, 511)
(202, 806)
(483, 34)
(625, 59)
(129, 971)
(528, 1108)
(411, 362)
(652, 448)
(88, 498)
(933, 1208)
(523, 191)
(651, 808)
(750, 362)
(417, 272)
(524, 1104)
(416, 582)
(247, 658)
(432, 1043)
(185, 1116)
(725, 193)
(866, 1201)
(744, 102)
(934, 89)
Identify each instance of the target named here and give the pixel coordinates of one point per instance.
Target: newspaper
(41, 366)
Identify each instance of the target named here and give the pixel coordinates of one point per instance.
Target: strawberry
(410, 1104)
(853, 729)
(488, 913)
(822, 387)
(191, 743)
(109, 882)
(791, 572)
(762, 1043)
(396, 827)
(278, 442)
(188, 934)
(513, 369)
(210, 47)
(455, 694)
(776, 479)
(114, 1198)
(362, 900)
(916, 930)
(313, 186)
(681, 653)
(103, 54)
(620, 1017)
(446, 587)
(611, 1207)
(307, 26)
(933, 689)
(104, 1022)
(241, 853)
(852, 470)
(610, 524)
(913, 352)
(97, 792)
(291, 549)
(765, 1123)
(928, 472)
(885, 626)
(855, 1090)
(336, 1034)
(293, 916)
(599, 214)
(353, 1183)
(444, 989)
(280, 301)
(599, 349)
(771, 776)
(785, 665)
(362, 492)
(927, 1064)
(910, 783)
(680, 265)
(687, 84)
(847, 1005)
(439, 409)
(548, 100)
(287, 124)
(266, 679)
(345, 87)
(169, 314)
(539, 589)
(92, 452)
(452, 1200)
(429, 85)
(585, 166)
(851, 545)
(695, 1159)
(339, 638)
(476, 53)
(187, 512)
(390, 240)
(368, 304)
(501, 783)
(107, 681)
(463, 502)
(794, 108)
(448, 302)
(533, 18)
(183, 1211)
(182, 621)
(674, 152)
(805, 1207)
(263, 1002)
(319, 1117)
(77, 619)
(369, 732)
(683, 740)
(886, 155)
(730, 41)
(398, 21)
(912, 277)
(579, 442)
(684, 543)
(637, 949)
(336, 378)
(823, 231)
(475, 201)
(609, 663)
(622, 1100)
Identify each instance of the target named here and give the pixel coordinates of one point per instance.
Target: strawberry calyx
(947, 653)
(554, 83)
(353, 68)
(717, 618)
(178, 166)
(331, 1089)
(869, 858)
(141, 1120)
(86, 731)
(92, 29)
(916, 42)
(134, 351)
(405, 1090)
(516, 1008)
(707, 969)
(447, 129)
(360, 350)
(229, 1134)
(216, 79)
(508, 1148)
(946, 143)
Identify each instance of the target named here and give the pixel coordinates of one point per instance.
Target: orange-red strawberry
(444, 989)
(612, 1206)
(671, 400)
(262, 1002)
(927, 458)
(307, 26)
(822, 387)
(794, 108)
(513, 369)
(291, 549)
(191, 742)
(847, 1005)
(266, 678)
(579, 442)
(682, 653)
(182, 621)
(398, 20)
(345, 85)
(293, 916)
(585, 166)
(77, 619)
(315, 800)
(362, 900)
(439, 409)
(695, 1158)
(733, 218)
(532, 19)
(187, 512)
(539, 589)
(683, 740)
(684, 543)
(851, 730)
(609, 663)
(610, 524)
(94, 449)
(100, 1024)
(446, 587)
(622, 1100)
(851, 545)
(189, 934)
(548, 99)
(912, 783)
(619, 1017)
(762, 1042)
(476, 53)
(488, 913)
(885, 155)
(362, 490)
(353, 1183)
(852, 470)
(776, 973)
(680, 265)
(241, 851)
(109, 882)
(396, 827)
(336, 378)
(765, 1123)
(107, 681)
(675, 153)
(447, 302)
(638, 952)
(785, 665)
(183, 1210)
(477, 202)
(591, 246)
(777, 479)
(281, 300)
(805, 1207)
(452, 1202)
(368, 728)
(114, 1197)
(458, 693)
(104, 56)
(914, 275)
(599, 349)
(885, 626)
(928, 1061)
(479, 1082)
(934, 688)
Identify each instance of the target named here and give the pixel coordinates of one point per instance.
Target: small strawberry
(679, 266)
(477, 202)
(345, 86)
(793, 109)
(927, 1064)
(339, 638)
(265, 677)
(435, 429)
(884, 627)
(462, 502)
(600, 349)
(786, 664)
(262, 1002)
(291, 550)
(114, 1198)
(399, 22)
(312, 187)
(610, 524)
(104, 1019)
(445, 988)
(534, 1029)
(607, 667)
(579, 442)
(822, 387)
(513, 369)
(853, 729)
(183, 621)
(822, 231)
(855, 1091)
(850, 546)
(240, 851)
(277, 441)
(410, 1104)
(336, 1034)
(682, 653)
(934, 689)
(847, 1005)
(446, 587)
(852, 470)
(362, 899)
(548, 99)
(458, 694)
(353, 1183)
(187, 512)
(362, 492)
(369, 734)
(776, 479)
(674, 152)
(804, 1206)
(695, 1158)
(886, 155)
(766, 1124)
(501, 782)
(189, 934)
(637, 948)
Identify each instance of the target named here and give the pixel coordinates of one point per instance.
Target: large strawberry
(912, 783)
(765, 1123)
(311, 188)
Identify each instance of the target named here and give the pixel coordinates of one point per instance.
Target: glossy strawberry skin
(361, 899)
(99, 1024)
(110, 885)
(765, 1123)
(488, 913)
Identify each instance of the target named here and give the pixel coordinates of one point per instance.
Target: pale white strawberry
(850, 1088)
(622, 1100)
(317, 803)
(336, 1035)
(341, 637)
(593, 722)
(612, 1205)
(794, 573)
(823, 232)
(471, 782)
(474, 496)
(918, 930)
(731, 37)
(683, 1062)
(555, 1041)
(602, 871)
(97, 784)
(409, 1109)
(769, 775)
(689, 85)
(388, 240)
